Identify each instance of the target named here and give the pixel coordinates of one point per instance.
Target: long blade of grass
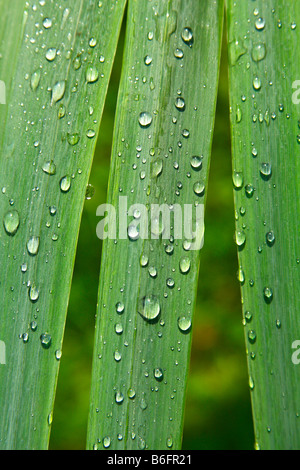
(264, 65)
(56, 62)
(141, 353)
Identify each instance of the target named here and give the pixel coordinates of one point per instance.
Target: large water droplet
(145, 119)
(33, 245)
(149, 307)
(184, 324)
(187, 36)
(11, 222)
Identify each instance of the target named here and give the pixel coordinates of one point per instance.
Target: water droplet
(51, 54)
(58, 354)
(147, 60)
(120, 308)
(270, 238)
(47, 23)
(156, 167)
(11, 222)
(91, 74)
(33, 293)
(249, 190)
(149, 307)
(199, 188)
(268, 294)
(256, 85)
(158, 374)
(33, 245)
(196, 163)
(180, 103)
(238, 179)
(258, 52)
(73, 139)
(252, 336)
(118, 328)
(240, 237)
(117, 356)
(35, 80)
(260, 24)
(89, 192)
(49, 167)
(106, 442)
(169, 442)
(266, 170)
(187, 36)
(119, 397)
(131, 393)
(184, 265)
(65, 184)
(145, 119)
(58, 91)
(178, 53)
(133, 232)
(184, 324)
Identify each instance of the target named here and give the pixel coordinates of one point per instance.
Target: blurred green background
(218, 409)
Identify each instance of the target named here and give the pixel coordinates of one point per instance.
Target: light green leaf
(164, 118)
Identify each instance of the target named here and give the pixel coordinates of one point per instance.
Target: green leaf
(264, 67)
(165, 117)
(56, 62)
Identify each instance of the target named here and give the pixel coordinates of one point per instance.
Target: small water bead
(58, 91)
(249, 190)
(118, 328)
(46, 340)
(11, 222)
(184, 265)
(33, 293)
(101, 59)
(240, 238)
(237, 179)
(152, 271)
(24, 267)
(199, 188)
(144, 260)
(25, 337)
(65, 184)
(241, 276)
(170, 283)
(91, 74)
(145, 119)
(256, 83)
(120, 308)
(196, 163)
(93, 42)
(270, 238)
(73, 138)
(268, 294)
(178, 53)
(131, 393)
(147, 60)
(278, 324)
(149, 307)
(254, 152)
(117, 356)
(52, 210)
(58, 354)
(169, 442)
(51, 54)
(61, 111)
(33, 325)
(158, 374)
(90, 133)
(119, 397)
(266, 170)
(106, 442)
(260, 24)
(248, 316)
(251, 383)
(47, 23)
(49, 168)
(156, 168)
(184, 324)
(258, 52)
(252, 336)
(77, 62)
(133, 232)
(180, 104)
(35, 80)
(185, 133)
(187, 36)
(33, 245)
